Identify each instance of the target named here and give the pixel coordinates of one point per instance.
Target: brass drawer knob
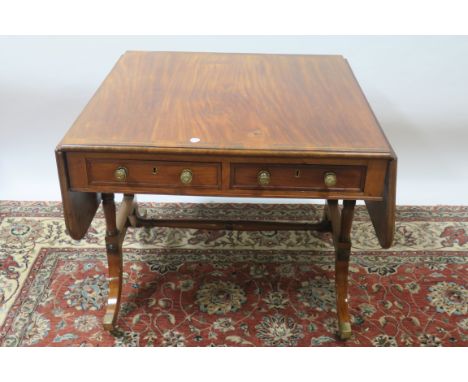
(121, 174)
(263, 178)
(186, 176)
(330, 179)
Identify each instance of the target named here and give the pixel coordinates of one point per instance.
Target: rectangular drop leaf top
(228, 102)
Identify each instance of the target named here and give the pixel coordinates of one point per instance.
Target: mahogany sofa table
(251, 125)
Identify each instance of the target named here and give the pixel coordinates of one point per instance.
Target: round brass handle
(121, 174)
(330, 179)
(186, 176)
(263, 178)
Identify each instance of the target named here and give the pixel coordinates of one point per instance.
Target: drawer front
(298, 177)
(162, 174)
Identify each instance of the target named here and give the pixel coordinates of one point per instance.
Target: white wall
(417, 86)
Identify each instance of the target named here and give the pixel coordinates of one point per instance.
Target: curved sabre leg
(341, 285)
(114, 259)
(341, 223)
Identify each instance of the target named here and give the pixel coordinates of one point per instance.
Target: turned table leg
(341, 229)
(116, 227)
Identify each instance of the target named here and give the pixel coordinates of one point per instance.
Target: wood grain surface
(227, 102)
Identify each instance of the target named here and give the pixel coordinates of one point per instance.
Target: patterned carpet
(229, 288)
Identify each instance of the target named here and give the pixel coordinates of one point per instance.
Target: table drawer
(298, 177)
(148, 173)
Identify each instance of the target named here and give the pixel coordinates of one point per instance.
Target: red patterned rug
(227, 288)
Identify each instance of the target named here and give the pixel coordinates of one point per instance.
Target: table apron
(356, 179)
